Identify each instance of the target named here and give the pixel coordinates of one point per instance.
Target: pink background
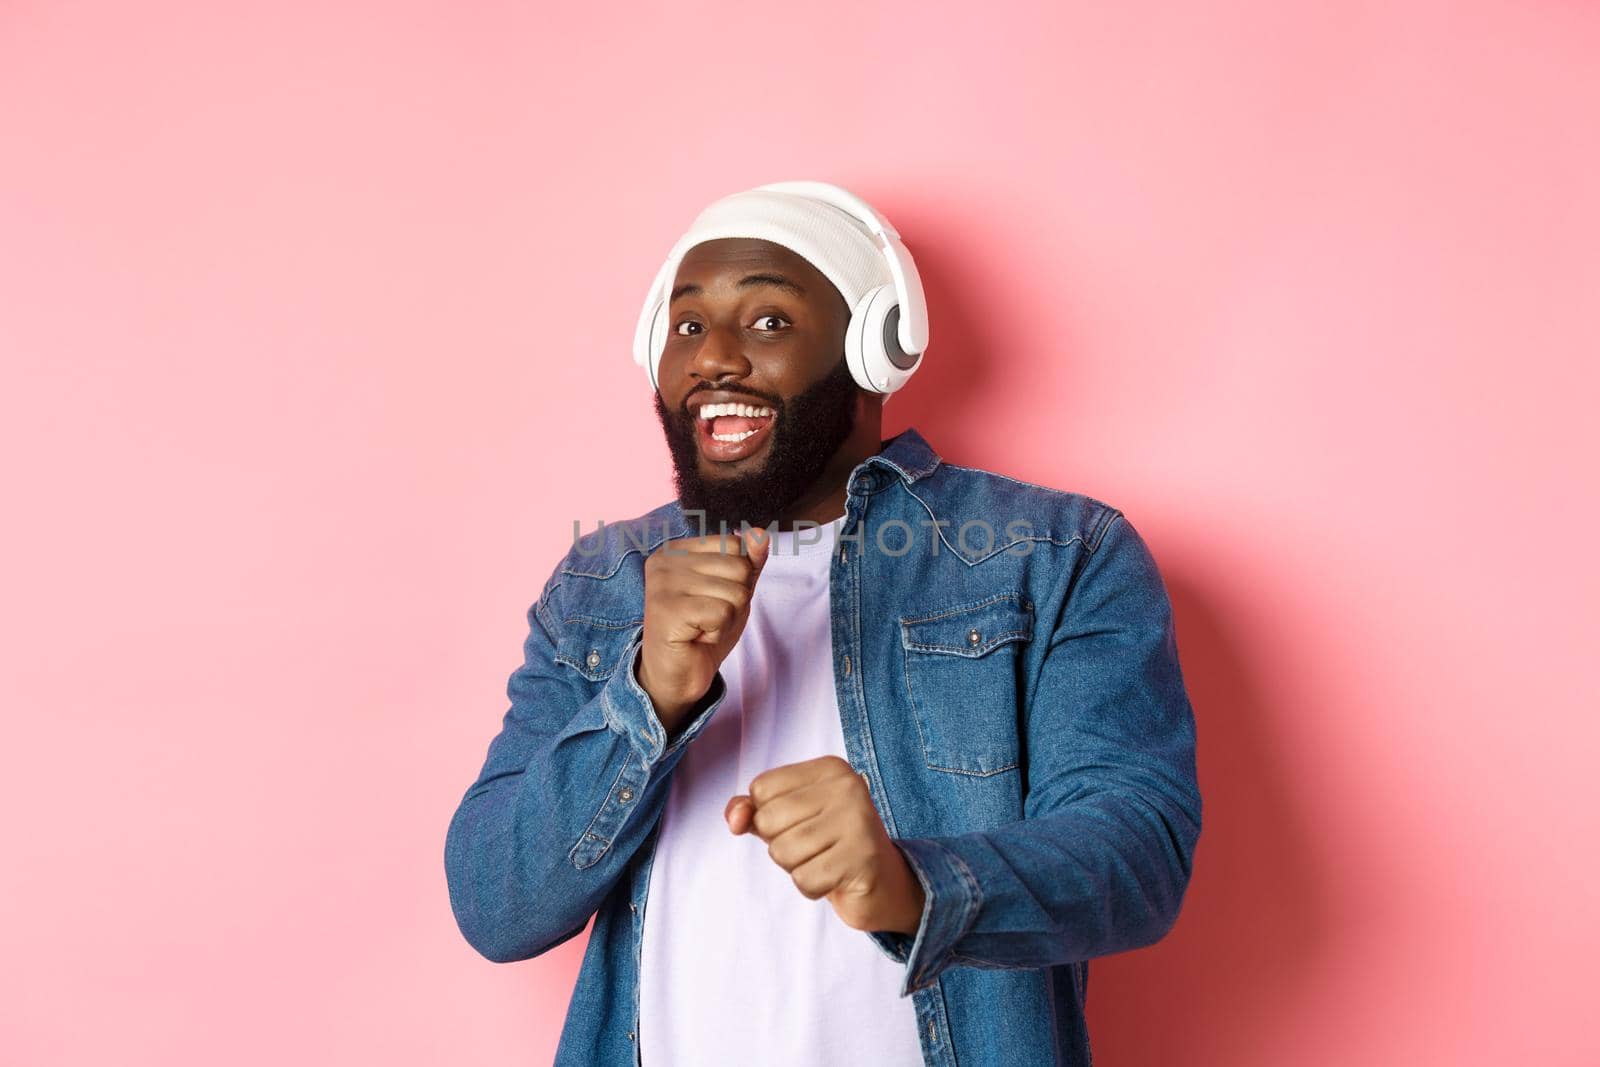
(315, 325)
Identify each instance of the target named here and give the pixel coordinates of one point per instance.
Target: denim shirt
(1009, 689)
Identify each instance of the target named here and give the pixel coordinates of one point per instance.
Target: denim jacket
(1008, 685)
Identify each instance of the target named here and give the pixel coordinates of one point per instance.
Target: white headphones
(888, 331)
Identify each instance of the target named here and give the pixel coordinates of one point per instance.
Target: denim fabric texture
(1008, 685)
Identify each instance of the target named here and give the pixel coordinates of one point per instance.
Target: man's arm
(1102, 859)
(570, 785)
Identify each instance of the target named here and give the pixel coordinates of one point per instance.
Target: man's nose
(720, 354)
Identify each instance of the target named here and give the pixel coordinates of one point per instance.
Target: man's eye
(686, 322)
(764, 318)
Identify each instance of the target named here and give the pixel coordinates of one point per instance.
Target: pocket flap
(970, 629)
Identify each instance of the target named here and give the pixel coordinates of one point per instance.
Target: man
(891, 747)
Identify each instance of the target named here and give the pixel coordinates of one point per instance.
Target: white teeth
(732, 436)
(711, 411)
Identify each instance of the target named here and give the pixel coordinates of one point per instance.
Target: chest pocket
(962, 674)
(593, 646)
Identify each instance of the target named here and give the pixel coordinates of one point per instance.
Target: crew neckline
(817, 541)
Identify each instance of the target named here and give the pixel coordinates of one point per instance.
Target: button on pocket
(592, 646)
(961, 667)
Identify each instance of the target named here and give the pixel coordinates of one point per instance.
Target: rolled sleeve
(568, 790)
(647, 757)
(951, 900)
(631, 712)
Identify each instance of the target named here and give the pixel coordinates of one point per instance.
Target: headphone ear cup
(872, 343)
(658, 342)
(854, 354)
(650, 331)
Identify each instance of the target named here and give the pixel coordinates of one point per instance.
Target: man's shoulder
(599, 579)
(602, 550)
(957, 494)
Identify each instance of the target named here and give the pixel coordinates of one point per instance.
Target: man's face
(752, 323)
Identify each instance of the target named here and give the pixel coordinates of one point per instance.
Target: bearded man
(853, 754)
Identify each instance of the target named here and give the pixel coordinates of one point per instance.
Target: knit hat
(840, 247)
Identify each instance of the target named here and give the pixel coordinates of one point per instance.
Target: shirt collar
(907, 454)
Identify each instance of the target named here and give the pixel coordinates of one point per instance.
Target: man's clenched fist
(696, 600)
(820, 825)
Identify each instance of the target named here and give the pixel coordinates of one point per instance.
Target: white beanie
(830, 239)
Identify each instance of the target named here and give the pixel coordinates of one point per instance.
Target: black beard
(808, 433)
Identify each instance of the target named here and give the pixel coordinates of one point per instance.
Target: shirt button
(973, 637)
(633, 908)
(630, 1035)
(625, 794)
(594, 657)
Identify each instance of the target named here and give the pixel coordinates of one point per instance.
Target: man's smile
(731, 430)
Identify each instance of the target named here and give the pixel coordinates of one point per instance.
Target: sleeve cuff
(631, 712)
(951, 901)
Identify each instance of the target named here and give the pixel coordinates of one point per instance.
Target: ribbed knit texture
(829, 239)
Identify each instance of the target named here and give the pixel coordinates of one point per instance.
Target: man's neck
(824, 501)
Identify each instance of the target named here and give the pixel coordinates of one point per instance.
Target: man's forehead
(736, 252)
(746, 262)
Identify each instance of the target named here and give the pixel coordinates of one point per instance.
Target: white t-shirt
(737, 965)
